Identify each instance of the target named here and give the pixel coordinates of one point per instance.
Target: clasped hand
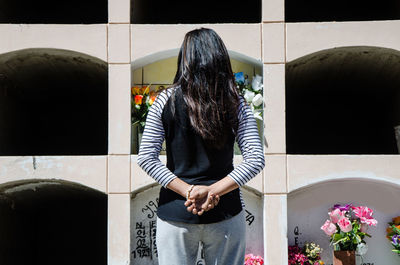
(201, 199)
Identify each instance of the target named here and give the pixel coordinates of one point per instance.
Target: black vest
(195, 162)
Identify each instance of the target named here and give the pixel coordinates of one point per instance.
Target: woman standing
(200, 116)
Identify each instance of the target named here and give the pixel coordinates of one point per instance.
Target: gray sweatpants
(224, 242)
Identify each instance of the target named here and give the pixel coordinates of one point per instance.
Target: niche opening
(184, 12)
(51, 222)
(341, 10)
(306, 214)
(160, 71)
(53, 102)
(343, 101)
(53, 12)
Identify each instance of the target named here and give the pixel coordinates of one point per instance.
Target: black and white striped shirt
(155, 132)
(153, 136)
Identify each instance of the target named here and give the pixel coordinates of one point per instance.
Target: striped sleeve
(152, 140)
(250, 145)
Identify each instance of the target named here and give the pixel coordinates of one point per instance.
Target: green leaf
(395, 229)
(337, 237)
(344, 239)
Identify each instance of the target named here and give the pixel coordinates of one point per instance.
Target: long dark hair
(206, 80)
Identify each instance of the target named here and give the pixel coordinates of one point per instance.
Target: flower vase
(140, 134)
(136, 137)
(344, 257)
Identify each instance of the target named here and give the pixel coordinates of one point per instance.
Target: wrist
(223, 186)
(213, 189)
(179, 186)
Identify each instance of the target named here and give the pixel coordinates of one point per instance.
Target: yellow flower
(135, 90)
(145, 90)
(151, 100)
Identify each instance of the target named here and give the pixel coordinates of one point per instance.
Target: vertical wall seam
(107, 43)
(130, 43)
(287, 173)
(284, 40)
(130, 174)
(107, 173)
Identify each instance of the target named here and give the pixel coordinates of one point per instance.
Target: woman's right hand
(201, 199)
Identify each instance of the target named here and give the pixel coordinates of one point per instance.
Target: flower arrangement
(347, 227)
(393, 234)
(251, 259)
(141, 100)
(252, 92)
(310, 254)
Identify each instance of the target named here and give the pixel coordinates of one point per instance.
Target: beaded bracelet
(188, 192)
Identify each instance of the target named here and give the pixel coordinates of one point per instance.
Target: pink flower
(345, 225)
(251, 259)
(329, 228)
(336, 215)
(365, 215)
(301, 258)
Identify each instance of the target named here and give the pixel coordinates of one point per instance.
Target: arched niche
(180, 12)
(173, 53)
(341, 10)
(159, 69)
(53, 102)
(308, 210)
(50, 12)
(144, 204)
(344, 100)
(52, 222)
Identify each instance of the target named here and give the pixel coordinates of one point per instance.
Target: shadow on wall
(343, 101)
(53, 102)
(47, 222)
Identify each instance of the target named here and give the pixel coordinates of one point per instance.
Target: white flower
(362, 249)
(257, 100)
(257, 115)
(256, 84)
(248, 95)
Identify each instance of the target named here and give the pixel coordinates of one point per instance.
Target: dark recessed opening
(53, 102)
(341, 10)
(53, 12)
(208, 11)
(343, 101)
(47, 222)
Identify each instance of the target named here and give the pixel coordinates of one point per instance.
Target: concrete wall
(271, 42)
